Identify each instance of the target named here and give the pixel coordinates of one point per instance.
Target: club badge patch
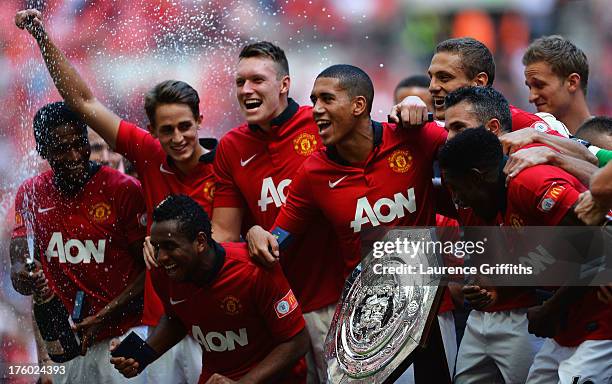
(305, 144)
(209, 190)
(400, 161)
(286, 305)
(231, 305)
(551, 197)
(18, 220)
(100, 212)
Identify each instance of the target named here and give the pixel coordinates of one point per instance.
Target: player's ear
(285, 83)
(359, 105)
(494, 126)
(481, 79)
(199, 121)
(151, 130)
(202, 241)
(573, 82)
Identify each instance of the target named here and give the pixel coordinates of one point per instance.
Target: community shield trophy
(383, 319)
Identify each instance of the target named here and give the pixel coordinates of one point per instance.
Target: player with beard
(255, 164)
(168, 156)
(370, 174)
(542, 195)
(84, 219)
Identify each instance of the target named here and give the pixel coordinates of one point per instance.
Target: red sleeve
(299, 209)
(133, 210)
(522, 119)
(435, 137)
(227, 193)
(135, 144)
(544, 194)
(277, 303)
(19, 228)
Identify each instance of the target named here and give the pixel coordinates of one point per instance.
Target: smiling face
(260, 91)
(332, 110)
(547, 91)
(175, 253)
(177, 131)
(447, 74)
(68, 155)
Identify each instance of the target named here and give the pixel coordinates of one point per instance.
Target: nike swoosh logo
(176, 302)
(245, 162)
(332, 185)
(164, 170)
(43, 210)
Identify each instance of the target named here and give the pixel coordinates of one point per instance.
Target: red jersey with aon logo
(254, 169)
(239, 317)
(82, 241)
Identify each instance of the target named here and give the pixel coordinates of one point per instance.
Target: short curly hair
(472, 148)
(191, 217)
(48, 119)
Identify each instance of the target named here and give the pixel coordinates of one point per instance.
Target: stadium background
(124, 47)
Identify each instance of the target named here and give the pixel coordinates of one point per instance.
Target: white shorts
(95, 366)
(317, 325)
(588, 363)
(496, 348)
(446, 321)
(181, 364)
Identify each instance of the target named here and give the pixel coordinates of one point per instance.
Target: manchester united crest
(231, 305)
(100, 212)
(400, 161)
(305, 144)
(209, 190)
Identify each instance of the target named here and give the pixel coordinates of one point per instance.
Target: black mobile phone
(133, 347)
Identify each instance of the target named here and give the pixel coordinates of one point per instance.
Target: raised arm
(69, 83)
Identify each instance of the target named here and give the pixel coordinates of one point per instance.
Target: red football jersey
(393, 187)
(160, 178)
(523, 119)
(542, 195)
(254, 170)
(238, 318)
(82, 241)
(449, 232)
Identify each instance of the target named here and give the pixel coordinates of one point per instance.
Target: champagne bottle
(61, 342)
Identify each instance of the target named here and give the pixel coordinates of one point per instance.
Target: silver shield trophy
(382, 318)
